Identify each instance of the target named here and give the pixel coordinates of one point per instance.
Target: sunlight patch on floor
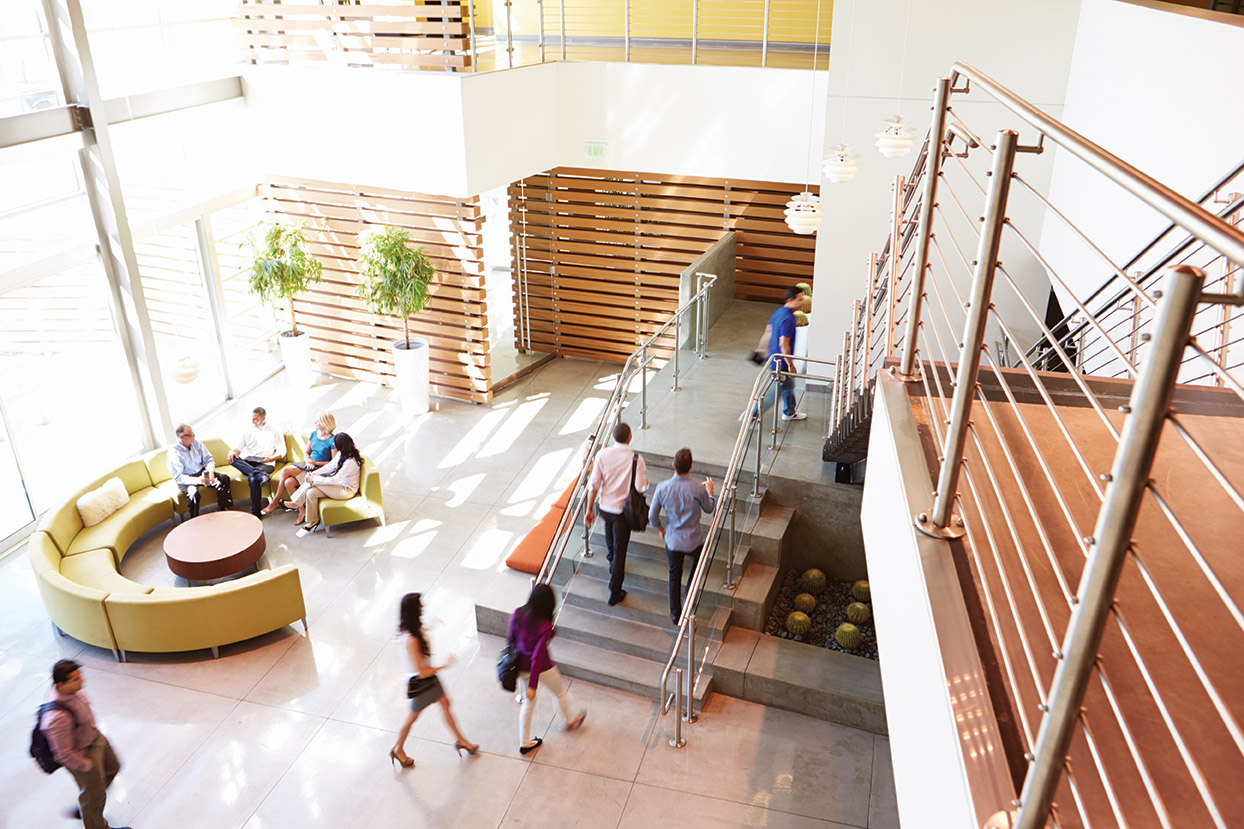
(518, 421)
(488, 551)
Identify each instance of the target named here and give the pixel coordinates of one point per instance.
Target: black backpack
(40, 749)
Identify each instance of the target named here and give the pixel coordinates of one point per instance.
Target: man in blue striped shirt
(683, 500)
(192, 466)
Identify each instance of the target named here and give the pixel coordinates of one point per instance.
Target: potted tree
(280, 269)
(395, 283)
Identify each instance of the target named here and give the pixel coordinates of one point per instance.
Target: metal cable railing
(751, 431)
(1087, 464)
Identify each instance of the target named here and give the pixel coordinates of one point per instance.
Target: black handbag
(635, 510)
(421, 685)
(507, 666)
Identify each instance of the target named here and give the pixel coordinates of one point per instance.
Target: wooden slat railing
(408, 36)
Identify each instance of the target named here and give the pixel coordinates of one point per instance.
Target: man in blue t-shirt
(782, 341)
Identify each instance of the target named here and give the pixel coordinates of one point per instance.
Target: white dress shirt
(261, 443)
(611, 475)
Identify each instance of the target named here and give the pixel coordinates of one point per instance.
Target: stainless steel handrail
(636, 363)
(753, 418)
(1216, 233)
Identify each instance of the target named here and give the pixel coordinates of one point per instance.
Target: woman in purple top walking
(531, 628)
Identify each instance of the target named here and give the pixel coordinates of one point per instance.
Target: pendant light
(804, 212)
(841, 165)
(897, 139)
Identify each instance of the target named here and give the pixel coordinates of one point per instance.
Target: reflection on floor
(287, 731)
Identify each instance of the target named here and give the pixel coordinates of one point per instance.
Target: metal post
(677, 741)
(677, 343)
(474, 56)
(764, 40)
(562, 20)
(868, 319)
(924, 233)
(855, 327)
(209, 265)
(777, 401)
(729, 585)
(509, 34)
(1129, 477)
(760, 436)
(896, 241)
(973, 337)
(540, 12)
(695, 19)
(643, 387)
(689, 716)
(626, 35)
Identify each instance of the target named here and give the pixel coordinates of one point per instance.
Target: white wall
(1024, 45)
(1154, 85)
(402, 130)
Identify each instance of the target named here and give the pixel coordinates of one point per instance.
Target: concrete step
(623, 635)
(622, 671)
(651, 573)
(645, 606)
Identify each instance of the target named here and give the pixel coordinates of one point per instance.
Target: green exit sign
(596, 149)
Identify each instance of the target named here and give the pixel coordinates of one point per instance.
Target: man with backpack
(66, 731)
(616, 472)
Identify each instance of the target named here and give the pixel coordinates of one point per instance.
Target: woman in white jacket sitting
(337, 480)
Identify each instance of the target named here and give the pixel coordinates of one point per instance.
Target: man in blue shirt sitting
(683, 500)
(192, 466)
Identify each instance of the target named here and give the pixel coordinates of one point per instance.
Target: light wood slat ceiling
(603, 249)
(347, 340)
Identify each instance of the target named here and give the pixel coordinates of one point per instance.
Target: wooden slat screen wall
(347, 340)
(413, 35)
(603, 251)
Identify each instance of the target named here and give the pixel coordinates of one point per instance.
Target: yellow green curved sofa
(368, 503)
(76, 570)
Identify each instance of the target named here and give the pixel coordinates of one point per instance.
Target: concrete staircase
(626, 646)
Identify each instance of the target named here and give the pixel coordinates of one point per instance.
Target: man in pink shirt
(78, 745)
(611, 478)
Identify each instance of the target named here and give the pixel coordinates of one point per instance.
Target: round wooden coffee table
(214, 545)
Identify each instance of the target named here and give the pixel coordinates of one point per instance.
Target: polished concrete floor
(294, 731)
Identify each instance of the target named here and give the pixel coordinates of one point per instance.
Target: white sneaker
(796, 416)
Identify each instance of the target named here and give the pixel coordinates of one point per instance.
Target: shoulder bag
(635, 510)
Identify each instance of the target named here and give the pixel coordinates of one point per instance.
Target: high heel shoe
(467, 747)
(536, 743)
(393, 758)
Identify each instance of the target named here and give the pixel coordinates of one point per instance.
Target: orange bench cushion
(529, 555)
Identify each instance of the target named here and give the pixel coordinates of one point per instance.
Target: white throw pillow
(98, 504)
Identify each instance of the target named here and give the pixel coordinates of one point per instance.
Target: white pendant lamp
(186, 370)
(841, 165)
(896, 140)
(804, 213)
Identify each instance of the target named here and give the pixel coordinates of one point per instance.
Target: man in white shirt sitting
(611, 478)
(261, 447)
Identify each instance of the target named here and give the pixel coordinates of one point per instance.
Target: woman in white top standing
(338, 480)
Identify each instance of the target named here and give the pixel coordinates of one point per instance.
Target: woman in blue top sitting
(319, 451)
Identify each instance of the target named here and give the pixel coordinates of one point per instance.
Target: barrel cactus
(807, 296)
(858, 613)
(812, 581)
(805, 603)
(798, 623)
(848, 635)
(860, 591)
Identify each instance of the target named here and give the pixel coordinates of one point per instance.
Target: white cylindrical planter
(296, 355)
(410, 364)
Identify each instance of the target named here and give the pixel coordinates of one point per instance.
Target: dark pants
(257, 474)
(676, 563)
(224, 497)
(92, 784)
(786, 391)
(617, 538)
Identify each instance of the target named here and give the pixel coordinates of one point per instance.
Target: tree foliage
(282, 268)
(396, 276)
